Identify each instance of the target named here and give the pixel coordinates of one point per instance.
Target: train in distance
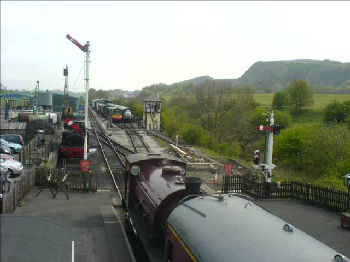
(189, 225)
(117, 113)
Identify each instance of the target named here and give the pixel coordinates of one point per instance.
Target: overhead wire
(76, 80)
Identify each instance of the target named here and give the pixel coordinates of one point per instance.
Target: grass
(307, 116)
(310, 114)
(320, 100)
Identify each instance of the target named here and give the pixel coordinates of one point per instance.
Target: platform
(89, 219)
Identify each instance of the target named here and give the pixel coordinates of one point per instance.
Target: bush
(318, 150)
(289, 146)
(192, 134)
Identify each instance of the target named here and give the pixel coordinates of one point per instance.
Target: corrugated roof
(17, 96)
(153, 98)
(233, 230)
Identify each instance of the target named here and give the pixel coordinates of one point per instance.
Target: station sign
(228, 169)
(85, 165)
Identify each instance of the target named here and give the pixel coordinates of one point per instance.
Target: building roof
(153, 98)
(15, 96)
(236, 229)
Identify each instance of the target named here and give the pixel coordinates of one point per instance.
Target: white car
(15, 148)
(15, 168)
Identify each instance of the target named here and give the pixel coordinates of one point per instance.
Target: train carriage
(233, 228)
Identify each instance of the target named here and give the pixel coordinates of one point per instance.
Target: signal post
(270, 130)
(86, 49)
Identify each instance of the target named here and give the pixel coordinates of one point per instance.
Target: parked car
(13, 138)
(15, 168)
(15, 148)
(5, 149)
(6, 157)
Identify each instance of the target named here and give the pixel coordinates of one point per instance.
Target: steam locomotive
(177, 222)
(115, 112)
(72, 145)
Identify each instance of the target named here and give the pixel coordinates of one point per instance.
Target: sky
(137, 43)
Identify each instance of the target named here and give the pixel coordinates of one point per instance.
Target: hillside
(194, 81)
(324, 76)
(276, 74)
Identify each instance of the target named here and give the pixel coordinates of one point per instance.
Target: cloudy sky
(135, 44)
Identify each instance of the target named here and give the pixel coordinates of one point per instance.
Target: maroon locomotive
(178, 223)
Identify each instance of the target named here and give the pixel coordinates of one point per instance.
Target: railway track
(111, 152)
(140, 146)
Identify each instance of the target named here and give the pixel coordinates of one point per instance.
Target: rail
(103, 151)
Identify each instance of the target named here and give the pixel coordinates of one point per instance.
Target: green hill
(277, 74)
(266, 77)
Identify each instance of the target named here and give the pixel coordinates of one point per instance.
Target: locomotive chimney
(193, 185)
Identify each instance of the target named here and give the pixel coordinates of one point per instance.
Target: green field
(320, 100)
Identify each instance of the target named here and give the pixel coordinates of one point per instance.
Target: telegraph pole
(35, 112)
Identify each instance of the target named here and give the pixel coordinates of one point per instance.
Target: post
(348, 198)
(269, 165)
(86, 96)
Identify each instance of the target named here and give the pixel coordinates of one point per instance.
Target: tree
(279, 100)
(334, 111)
(299, 94)
(192, 134)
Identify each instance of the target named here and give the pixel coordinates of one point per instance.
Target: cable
(75, 84)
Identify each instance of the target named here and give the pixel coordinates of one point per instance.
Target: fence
(35, 151)
(19, 187)
(75, 180)
(31, 176)
(316, 195)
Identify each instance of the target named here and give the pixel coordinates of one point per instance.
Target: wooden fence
(19, 187)
(316, 195)
(75, 180)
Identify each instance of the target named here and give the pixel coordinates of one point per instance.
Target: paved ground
(89, 217)
(320, 223)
